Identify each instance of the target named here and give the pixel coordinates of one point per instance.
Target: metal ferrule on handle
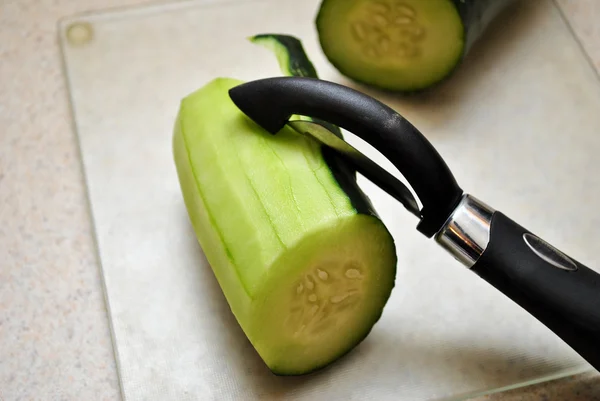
(466, 234)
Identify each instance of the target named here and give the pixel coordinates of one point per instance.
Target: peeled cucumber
(304, 272)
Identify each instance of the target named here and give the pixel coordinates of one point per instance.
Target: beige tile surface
(54, 334)
(583, 18)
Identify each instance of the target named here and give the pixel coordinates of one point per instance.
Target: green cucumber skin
(476, 16)
(300, 65)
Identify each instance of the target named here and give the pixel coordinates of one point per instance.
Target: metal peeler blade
(365, 166)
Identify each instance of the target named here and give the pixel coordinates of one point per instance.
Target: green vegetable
(402, 45)
(290, 54)
(304, 272)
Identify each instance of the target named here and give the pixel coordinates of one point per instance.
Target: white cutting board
(519, 125)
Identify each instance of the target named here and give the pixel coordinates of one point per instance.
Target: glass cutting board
(518, 124)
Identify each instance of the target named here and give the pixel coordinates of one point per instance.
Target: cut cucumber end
(399, 45)
(324, 296)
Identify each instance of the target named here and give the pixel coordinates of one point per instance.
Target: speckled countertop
(54, 334)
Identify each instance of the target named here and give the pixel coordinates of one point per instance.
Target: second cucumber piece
(402, 45)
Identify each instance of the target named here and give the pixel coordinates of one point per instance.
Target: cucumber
(305, 274)
(402, 45)
(290, 54)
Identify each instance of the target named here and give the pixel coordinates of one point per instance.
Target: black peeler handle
(559, 291)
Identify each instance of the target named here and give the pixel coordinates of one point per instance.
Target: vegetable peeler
(556, 289)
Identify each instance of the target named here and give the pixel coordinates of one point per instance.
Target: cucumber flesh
(402, 45)
(324, 296)
(304, 273)
(392, 44)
